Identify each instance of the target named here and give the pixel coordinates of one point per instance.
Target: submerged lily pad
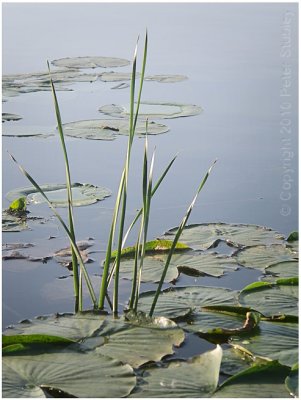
(181, 301)
(265, 380)
(209, 264)
(271, 299)
(149, 109)
(196, 377)
(90, 62)
(77, 374)
(10, 117)
(100, 129)
(204, 236)
(83, 194)
(260, 257)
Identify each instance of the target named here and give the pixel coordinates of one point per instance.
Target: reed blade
(72, 242)
(176, 239)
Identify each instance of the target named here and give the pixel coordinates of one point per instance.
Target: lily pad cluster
(257, 327)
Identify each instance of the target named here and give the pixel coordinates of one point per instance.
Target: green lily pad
(204, 236)
(209, 264)
(149, 109)
(13, 223)
(83, 194)
(284, 269)
(113, 76)
(271, 300)
(260, 257)
(75, 373)
(265, 380)
(26, 131)
(10, 117)
(293, 236)
(131, 342)
(236, 360)
(90, 62)
(179, 302)
(292, 381)
(275, 340)
(100, 129)
(196, 377)
(166, 78)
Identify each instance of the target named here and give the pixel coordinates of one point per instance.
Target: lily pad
(209, 264)
(13, 223)
(100, 129)
(196, 377)
(149, 109)
(284, 269)
(83, 194)
(292, 381)
(204, 236)
(10, 117)
(275, 340)
(271, 300)
(113, 76)
(260, 257)
(133, 343)
(78, 374)
(179, 302)
(236, 360)
(64, 256)
(90, 62)
(266, 380)
(166, 78)
(27, 131)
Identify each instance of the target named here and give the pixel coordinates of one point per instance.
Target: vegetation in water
(93, 354)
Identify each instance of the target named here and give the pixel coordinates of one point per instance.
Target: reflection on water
(230, 53)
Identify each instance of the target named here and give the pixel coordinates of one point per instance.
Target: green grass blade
(175, 241)
(72, 242)
(127, 165)
(69, 192)
(105, 281)
(138, 215)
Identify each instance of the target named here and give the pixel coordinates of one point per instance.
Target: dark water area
(241, 64)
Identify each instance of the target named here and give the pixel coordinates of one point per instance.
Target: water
(234, 56)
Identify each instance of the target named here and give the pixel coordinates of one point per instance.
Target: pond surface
(241, 64)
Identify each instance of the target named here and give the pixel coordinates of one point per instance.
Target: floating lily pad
(78, 374)
(16, 246)
(100, 129)
(64, 256)
(113, 76)
(10, 117)
(292, 381)
(236, 360)
(284, 269)
(166, 78)
(204, 236)
(265, 380)
(13, 223)
(90, 62)
(133, 343)
(197, 377)
(83, 194)
(260, 257)
(181, 301)
(26, 131)
(275, 340)
(149, 109)
(195, 265)
(271, 299)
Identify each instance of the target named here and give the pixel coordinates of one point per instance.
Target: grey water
(241, 64)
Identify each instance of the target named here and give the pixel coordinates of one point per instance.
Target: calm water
(235, 57)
